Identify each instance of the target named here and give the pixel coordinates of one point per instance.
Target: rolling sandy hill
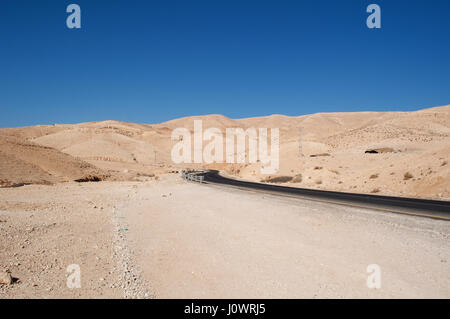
(414, 161)
(24, 162)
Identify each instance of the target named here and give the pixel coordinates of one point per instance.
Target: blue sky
(152, 61)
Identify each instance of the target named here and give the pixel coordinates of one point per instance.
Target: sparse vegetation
(375, 190)
(444, 163)
(379, 150)
(407, 176)
(89, 179)
(321, 154)
(145, 174)
(279, 179)
(318, 167)
(318, 182)
(373, 176)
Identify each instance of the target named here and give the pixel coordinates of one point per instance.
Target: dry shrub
(379, 150)
(407, 176)
(318, 182)
(318, 167)
(375, 190)
(145, 174)
(89, 178)
(279, 179)
(444, 163)
(373, 176)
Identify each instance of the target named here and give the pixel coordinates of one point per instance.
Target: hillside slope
(24, 162)
(414, 161)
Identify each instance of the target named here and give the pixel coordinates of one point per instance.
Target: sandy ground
(173, 239)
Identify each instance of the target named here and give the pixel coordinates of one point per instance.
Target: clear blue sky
(151, 61)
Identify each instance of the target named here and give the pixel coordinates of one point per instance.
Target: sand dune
(417, 165)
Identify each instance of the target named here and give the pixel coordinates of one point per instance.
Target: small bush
(89, 178)
(318, 167)
(379, 150)
(444, 163)
(373, 176)
(146, 175)
(297, 178)
(318, 182)
(321, 154)
(375, 190)
(279, 179)
(407, 176)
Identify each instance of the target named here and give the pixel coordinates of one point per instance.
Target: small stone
(5, 278)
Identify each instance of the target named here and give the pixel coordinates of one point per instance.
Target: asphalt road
(401, 205)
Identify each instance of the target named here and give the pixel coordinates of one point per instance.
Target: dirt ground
(44, 229)
(173, 239)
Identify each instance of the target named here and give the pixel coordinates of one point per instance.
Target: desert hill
(323, 150)
(25, 162)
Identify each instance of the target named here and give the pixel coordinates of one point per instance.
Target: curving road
(402, 205)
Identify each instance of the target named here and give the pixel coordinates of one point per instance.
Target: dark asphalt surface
(403, 205)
